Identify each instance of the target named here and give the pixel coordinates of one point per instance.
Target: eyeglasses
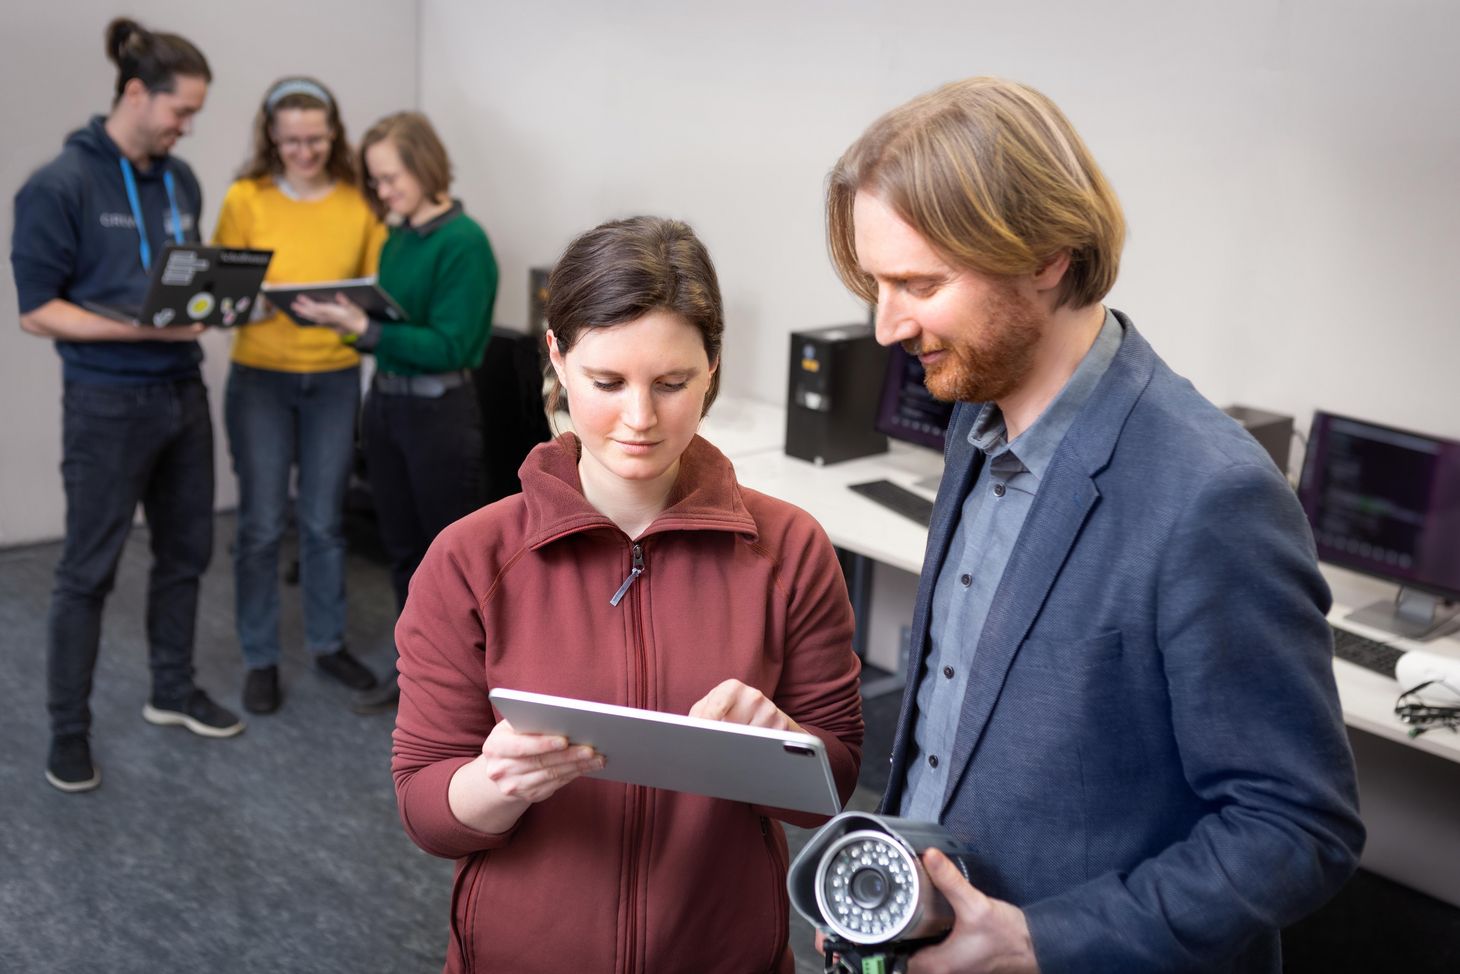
(311, 142)
(385, 179)
(1411, 708)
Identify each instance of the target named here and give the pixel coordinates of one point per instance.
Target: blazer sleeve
(820, 687)
(443, 716)
(1247, 655)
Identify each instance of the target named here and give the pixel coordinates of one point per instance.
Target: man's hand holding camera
(988, 935)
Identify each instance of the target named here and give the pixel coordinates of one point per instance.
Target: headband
(296, 86)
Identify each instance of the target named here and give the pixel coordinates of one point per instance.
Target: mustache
(915, 347)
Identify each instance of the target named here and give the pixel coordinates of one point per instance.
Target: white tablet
(783, 769)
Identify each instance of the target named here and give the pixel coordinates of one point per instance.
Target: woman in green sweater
(422, 425)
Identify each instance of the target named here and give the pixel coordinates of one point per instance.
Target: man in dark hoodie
(136, 425)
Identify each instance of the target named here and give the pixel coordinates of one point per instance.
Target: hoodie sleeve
(820, 686)
(444, 714)
(45, 240)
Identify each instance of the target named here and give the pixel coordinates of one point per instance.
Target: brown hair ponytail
(155, 59)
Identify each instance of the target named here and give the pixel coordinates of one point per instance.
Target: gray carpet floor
(277, 850)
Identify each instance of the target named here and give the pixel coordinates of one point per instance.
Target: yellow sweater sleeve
(375, 239)
(233, 219)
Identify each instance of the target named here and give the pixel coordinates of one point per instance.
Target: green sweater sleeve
(458, 319)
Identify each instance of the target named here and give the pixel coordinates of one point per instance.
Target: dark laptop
(192, 284)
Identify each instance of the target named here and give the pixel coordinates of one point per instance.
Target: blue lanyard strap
(143, 246)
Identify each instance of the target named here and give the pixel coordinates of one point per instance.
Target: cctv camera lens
(869, 887)
(866, 887)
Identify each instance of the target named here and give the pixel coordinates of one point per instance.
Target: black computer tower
(831, 401)
(1273, 430)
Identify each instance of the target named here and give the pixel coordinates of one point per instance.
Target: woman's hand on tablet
(513, 772)
(531, 767)
(738, 703)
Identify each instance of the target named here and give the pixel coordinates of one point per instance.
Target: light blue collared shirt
(988, 528)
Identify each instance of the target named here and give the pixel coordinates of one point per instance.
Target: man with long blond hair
(1121, 696)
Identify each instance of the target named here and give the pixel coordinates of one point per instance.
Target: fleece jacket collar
(705, 497)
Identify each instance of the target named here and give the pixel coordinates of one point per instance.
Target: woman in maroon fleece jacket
(633, 570)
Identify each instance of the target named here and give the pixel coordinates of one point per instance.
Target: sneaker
(261, 690)
(378, 700)
(198, 713)
(69, 767)
(345, 668)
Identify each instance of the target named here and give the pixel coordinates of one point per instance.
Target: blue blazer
(1151, 759)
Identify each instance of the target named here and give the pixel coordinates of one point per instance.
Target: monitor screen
(1385, 502)
(907, 410)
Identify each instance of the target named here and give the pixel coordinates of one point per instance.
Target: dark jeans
(123, 445)
(278, 421)
(424, 458)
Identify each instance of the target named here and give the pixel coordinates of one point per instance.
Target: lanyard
(143, 247)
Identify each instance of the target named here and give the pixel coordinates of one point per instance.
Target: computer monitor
(907, 410)
(1386, 502)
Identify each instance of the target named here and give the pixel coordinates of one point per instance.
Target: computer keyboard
(897, 499)
(1371, 655)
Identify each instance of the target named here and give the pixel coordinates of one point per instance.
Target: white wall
(1289, 167)
(54, 75)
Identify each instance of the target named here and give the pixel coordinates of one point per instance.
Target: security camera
(859, 880)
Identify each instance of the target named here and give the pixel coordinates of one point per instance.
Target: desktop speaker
(1273, 431)
(831, 402)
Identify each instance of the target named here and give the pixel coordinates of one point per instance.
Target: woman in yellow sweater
(294, 393)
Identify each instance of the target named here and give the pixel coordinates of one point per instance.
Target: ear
(134, 90)
(555, 356)
(714, 365)
(1049, 276)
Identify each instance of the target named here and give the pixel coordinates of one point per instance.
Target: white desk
(1368, 698)
(1409, 788)
(853, 522)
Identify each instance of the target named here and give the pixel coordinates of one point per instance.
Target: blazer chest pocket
(1065, 655)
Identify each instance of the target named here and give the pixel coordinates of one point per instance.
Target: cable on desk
(1422, 717)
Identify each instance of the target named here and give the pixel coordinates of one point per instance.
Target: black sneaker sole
(174, 718)
(72, 787)
(352, 675)
(270, 707)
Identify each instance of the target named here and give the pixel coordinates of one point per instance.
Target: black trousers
(424, 460)
(153, 444)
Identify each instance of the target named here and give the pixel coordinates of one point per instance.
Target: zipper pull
(634, 573)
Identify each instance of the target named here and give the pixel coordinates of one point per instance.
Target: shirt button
(998, 490)
(948, 672)
(933, 760)
(966, 579)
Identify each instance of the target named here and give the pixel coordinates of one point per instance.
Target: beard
(159, 141)
(994, 359)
